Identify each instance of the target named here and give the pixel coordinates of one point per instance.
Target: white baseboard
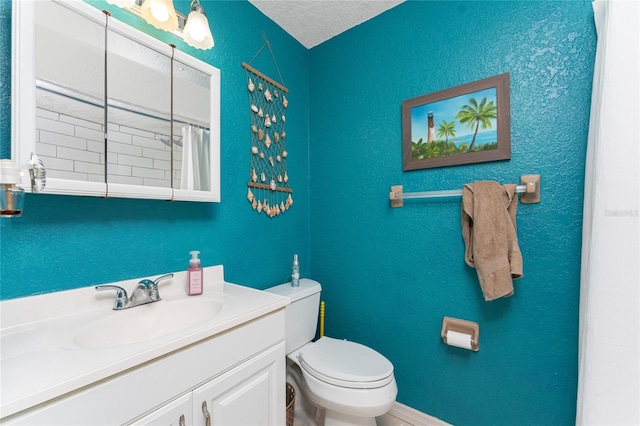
(403, 415)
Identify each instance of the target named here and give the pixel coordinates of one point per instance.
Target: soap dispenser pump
(194, 275)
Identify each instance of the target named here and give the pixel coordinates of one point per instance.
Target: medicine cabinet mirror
(110, 110)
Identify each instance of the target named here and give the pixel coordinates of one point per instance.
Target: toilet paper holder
(461, 326)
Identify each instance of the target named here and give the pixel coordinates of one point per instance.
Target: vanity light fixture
(11, 193)
(194, 29)
(196, 32)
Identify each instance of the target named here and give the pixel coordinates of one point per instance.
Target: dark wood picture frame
(487, 117)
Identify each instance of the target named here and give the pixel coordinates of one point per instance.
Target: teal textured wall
(390, 275)
(63, 242)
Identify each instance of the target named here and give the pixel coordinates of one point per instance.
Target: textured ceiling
(312, 22)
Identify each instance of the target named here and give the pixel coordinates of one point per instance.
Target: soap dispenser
(194, 275)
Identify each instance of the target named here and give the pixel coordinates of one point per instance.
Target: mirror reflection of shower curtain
(195, 159)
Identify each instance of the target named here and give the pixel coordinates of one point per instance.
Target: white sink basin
(147, 322)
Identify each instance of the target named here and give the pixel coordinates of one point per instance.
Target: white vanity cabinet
(249, 394)
(239, 373)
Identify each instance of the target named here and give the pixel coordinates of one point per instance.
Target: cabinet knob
(207, 416)
(182, 422)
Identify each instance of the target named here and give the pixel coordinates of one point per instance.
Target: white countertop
(40, 361)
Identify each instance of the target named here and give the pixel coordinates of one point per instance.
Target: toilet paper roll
(460, 340)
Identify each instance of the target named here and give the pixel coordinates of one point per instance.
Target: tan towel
(490, 239)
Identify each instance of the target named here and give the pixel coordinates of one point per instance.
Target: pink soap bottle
(194, 275)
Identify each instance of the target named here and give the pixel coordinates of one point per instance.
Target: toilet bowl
(347, 378)
(349, 384)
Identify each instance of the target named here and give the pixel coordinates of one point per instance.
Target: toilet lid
(346, 364)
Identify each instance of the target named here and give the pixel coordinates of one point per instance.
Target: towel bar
(529, 188)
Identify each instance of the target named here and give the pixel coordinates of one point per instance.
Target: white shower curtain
(609, 356)
(196, 167)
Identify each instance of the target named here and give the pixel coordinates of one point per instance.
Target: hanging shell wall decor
(269, 191)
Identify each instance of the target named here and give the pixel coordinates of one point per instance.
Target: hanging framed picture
(461, 125)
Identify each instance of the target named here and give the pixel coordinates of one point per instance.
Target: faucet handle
(152, 286)
(163, 277)
(121, 295)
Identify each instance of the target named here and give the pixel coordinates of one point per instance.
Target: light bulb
(160, 12)
(196, 32)
(197, 26)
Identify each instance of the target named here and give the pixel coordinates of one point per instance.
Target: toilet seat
(346, 364)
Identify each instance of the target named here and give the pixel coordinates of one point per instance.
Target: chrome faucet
(146, 291)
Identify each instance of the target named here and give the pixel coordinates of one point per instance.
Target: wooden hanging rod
(261, 75)
(265, 186)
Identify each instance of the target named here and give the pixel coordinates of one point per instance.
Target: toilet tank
(301, 315)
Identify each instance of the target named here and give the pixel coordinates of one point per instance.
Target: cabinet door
(175, 413)
(196, 122)
(58, 90)
(250, 394)
(138, 115)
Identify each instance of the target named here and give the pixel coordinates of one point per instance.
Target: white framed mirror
(109, 109)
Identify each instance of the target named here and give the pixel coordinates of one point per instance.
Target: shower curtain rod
(529, 188)
(67, 93)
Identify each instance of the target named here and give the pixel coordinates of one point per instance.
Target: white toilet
(347, 383)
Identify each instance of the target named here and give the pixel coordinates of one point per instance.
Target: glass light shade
(125, 4)
(160, 13)
(196, 32)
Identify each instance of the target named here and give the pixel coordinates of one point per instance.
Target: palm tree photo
(474, 115)
(446, 129)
